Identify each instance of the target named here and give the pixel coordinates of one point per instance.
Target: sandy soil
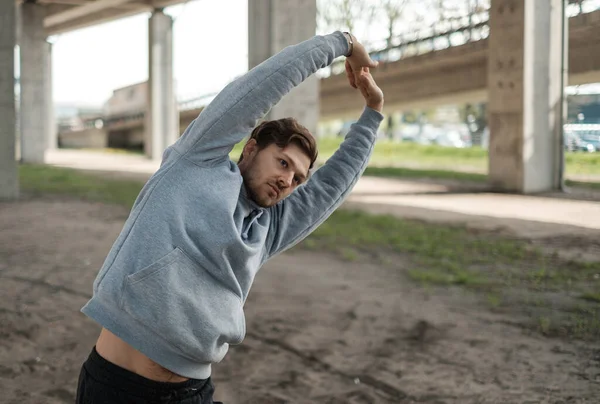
(319, 329)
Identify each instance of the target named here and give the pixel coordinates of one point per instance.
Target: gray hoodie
(174, 284)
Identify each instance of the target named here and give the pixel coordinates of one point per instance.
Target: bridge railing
(196, 102)
(135, 116)
(442, 35)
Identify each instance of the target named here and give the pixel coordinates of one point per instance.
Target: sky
(208, 52)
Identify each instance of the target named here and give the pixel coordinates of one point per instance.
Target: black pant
(102, 382)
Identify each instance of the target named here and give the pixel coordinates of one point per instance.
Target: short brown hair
(283, 132)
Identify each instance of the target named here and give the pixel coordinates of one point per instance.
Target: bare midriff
(120, 353)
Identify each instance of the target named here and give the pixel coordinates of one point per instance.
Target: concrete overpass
(28, 23)
(67, 15)
(524, 78)
(458, 74)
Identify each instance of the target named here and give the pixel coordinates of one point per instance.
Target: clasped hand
(359, 76)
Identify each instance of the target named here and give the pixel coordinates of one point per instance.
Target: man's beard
(251, 189)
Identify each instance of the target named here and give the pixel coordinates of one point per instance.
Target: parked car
(407, 133)
(577, 137)
(582, 137)
(589, 142)
(454, 136)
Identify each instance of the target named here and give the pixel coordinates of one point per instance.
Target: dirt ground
(319, 329)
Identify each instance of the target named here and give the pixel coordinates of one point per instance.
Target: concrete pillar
(525, 80)
(34, 95)
(51, 130)
(162, 117)
(9, 179)
(273, 25)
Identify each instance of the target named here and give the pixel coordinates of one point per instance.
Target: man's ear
(250, 148)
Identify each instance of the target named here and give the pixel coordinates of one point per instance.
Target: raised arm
(237, 108)
(310, 205)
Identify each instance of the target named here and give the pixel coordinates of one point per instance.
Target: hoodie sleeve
(235, 111)
(310, 205)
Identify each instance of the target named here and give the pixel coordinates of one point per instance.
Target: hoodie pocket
(184, 304)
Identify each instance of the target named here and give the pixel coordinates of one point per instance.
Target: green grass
(493, 299)
(583, 322)
(37, 179)
(581, 184)
(582, 163)
(412, 173)
(440, 276)
(401, 172)
(389, 153)
(434, 243)
(591, 296)
(501, 270)
(392, 153)
(545, 324)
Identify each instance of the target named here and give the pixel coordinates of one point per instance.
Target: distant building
(127, 101)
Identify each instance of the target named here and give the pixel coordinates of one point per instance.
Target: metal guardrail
(185, 105)
(196, 102)
(424, 40)
(417, 44)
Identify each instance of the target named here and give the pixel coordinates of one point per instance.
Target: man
(171, 292)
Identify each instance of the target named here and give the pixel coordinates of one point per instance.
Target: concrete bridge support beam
(525, 80)
(51, 129)
(273, 25)
(162, 117)
(9, 183)
(36, 101)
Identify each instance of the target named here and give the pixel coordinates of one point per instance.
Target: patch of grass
(401, 172)
(439, 174)
(437, 276)
(488, 264)
(430, 277)
(388, 152)
(444, 255)
(545, 325)
(39, 179)
(348, 254)
(453, 247)
(582, 163)
(540, 275)
(581, 184)
(493, 299)
(585, 324)
(591, 296)
(309, 244)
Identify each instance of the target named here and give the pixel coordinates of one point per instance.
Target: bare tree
(392, 11)
(338, 14)
(579, 4)
(345, 15)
